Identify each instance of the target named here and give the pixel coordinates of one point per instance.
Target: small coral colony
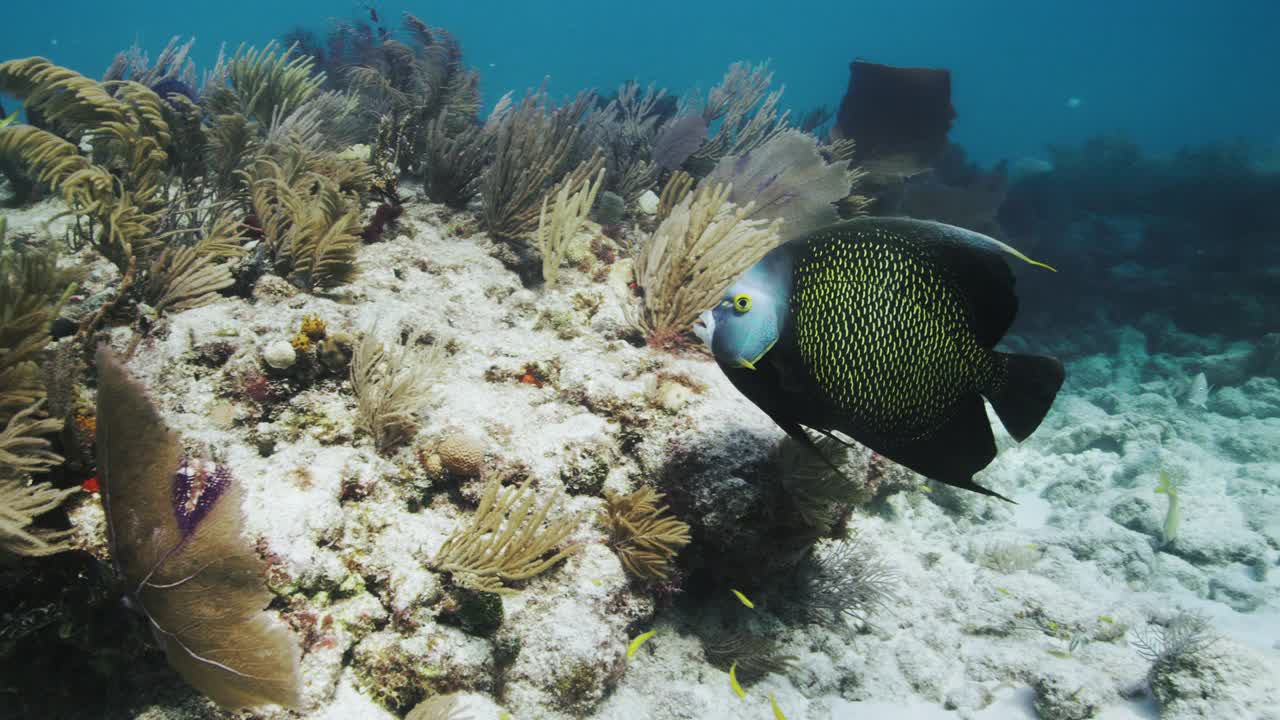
(775, 238)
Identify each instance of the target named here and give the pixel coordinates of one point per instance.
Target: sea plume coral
(261, 84)
(570, 206)
(816, 490)
(311, 227)
(122, 196)
(694, 255)
(841, 580)
(505, 541)
(532, 149)
(454, 161)
(389, 385)
(32, 290)
(746, 112)
(175, 529)
(22, 452)
(643, 534)
(172, 72)
(624, 129)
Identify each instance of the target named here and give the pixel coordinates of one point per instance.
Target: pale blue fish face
(747, 322)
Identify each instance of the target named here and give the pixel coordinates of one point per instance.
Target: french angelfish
(884, 329)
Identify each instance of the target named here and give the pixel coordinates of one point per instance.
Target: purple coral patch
(678, 140)
(197, 485)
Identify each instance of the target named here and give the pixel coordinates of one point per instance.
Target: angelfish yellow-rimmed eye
(742, 302)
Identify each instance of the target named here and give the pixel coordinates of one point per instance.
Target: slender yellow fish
(733, 680)
(640, 640)
(744, 599)
(777, 711)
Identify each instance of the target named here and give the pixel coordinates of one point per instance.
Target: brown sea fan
(175, 530)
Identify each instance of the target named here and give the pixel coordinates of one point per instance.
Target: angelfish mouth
(705, 327)
(750, 363)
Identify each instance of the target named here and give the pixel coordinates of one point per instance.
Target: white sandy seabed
(1081, 547)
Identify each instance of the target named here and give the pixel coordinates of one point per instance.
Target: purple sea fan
(175, 529)
(786, 178)
(173, 86)
(678, 140)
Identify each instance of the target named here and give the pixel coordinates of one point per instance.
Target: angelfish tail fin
(1031, 384)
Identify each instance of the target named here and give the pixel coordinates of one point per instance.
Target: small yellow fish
(1107, 619)
(733, 679)
(8, 120)
(744, 599)
(640, 640)
(503, 716)
(1002, 591)
(596, 582)
(926, 489)
(777, 711)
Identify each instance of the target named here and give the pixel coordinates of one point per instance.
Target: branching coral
(839, 580)
(1180, 648)
(389, 386)
(260, 84)
(679, 185)
(816, 489)
(624, 130)
(414, 81)
(506, 541)
(643, 534)
(1186, 634)
(22, 453)
(32, 289)
(532, 150)
(454, 161)
(753, 655)
(172, 68)
(557, 228)
(404, 87)
(122, 199)
(684, 267)
(746, 110)
(311, 228)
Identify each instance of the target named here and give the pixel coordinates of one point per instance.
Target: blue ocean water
(1026, 74)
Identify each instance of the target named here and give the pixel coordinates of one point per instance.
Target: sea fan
(175, 529)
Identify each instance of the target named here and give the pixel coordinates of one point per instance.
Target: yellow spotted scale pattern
(885, 333)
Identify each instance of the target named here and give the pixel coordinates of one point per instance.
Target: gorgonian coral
(175, 530)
